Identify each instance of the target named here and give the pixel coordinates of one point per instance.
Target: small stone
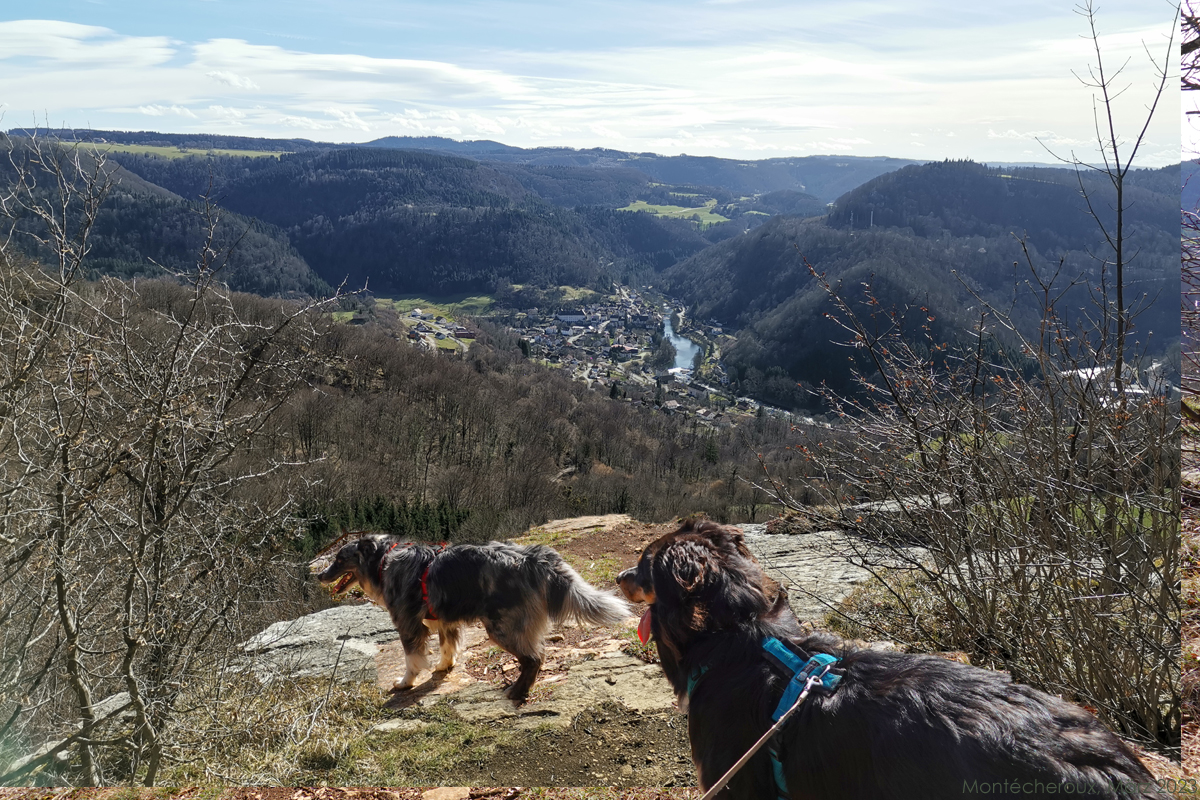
(555, 637)
(447, 793)
(400, 726)
(626, 771)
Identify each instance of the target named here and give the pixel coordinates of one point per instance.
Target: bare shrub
(1038, 475)
(142, 515)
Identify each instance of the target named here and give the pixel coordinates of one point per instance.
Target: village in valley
(614, 344)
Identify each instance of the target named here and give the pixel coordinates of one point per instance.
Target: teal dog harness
(805, 675)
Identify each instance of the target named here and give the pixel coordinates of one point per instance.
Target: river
(685, 349)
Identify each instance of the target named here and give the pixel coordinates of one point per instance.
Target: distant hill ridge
(824, 176)
(201, 141)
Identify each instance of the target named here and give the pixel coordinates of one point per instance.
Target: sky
(997, 82)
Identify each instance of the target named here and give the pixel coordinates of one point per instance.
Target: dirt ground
(606, 746)
(353, 793)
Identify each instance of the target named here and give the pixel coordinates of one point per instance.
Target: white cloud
(1045, 136)
(77, 45)
(836, 145)
(348, 119)
(159, 111)
(606, 132)
(226, 113)
(356, 77)
(482, 126)
(293, 121)
(232, 79)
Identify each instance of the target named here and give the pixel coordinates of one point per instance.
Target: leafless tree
(138, 504)
(1190, 256)
(1189, 77)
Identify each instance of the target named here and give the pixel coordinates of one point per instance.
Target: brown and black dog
(515, 591)
(896, 726)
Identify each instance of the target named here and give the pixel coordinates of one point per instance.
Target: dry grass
(371, 792)
(308, 732)
(874, 611)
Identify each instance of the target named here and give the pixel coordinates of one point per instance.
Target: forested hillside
(427, 221)
(418, 221)
(146, 230)
(410, 221)
(956, 198)
(142, 236)
(494, 443)
(825, 177)
(931, 237)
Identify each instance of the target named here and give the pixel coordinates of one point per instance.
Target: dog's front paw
(445, 665)
(400, 684)
(517, 694)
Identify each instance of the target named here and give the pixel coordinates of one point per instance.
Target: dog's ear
(683, 565)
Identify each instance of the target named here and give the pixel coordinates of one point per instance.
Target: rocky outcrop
(341, 642)
(611, 676)
(358, 642)
(818, 569)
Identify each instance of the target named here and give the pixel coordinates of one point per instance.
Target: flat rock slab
(817, 569)
(614, 677)
(346, 639)
(575, 524)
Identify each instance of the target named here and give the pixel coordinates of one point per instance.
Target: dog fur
(514, 590)
(897, 726)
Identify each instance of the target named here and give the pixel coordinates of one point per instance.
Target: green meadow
(166, 151)
(705, 214)
(449, 306)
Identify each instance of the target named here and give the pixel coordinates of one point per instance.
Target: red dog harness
(430, 614)
(425, 585)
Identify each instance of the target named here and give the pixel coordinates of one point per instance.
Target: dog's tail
(571, 597)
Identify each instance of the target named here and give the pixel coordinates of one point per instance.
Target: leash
(815, 672)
